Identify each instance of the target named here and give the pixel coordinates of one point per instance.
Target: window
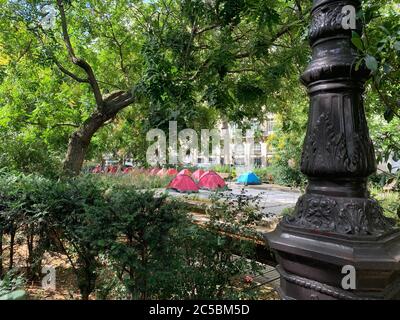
(257, 148)
(257, 162)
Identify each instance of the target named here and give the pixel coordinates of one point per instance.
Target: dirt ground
(66, 288)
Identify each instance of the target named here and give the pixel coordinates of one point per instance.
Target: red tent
(112, 169)
(172, 172)
(211, 181)
(197, 174)
(185, 171)
(183, 183)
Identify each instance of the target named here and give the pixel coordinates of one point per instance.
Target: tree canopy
(79, 78)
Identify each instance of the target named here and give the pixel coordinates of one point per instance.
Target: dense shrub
(23, 209)
(11, 286)
(266, 174)
(286, 162)
(145, 258)
(119, 238)
(79, 219)
(139, 181)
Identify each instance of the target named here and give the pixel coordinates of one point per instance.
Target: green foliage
(287, 142)
(139, 181)
(78, 214)
(266, 174)
(23, 209)
(193, 62)
(225, 169)
(389, 200)
(11, 286)
(145, 262)
(167, 256)
(386, 137)
(379, 50)
(122, 241)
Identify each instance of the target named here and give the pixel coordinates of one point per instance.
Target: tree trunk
(80, 139)
(12, 242)
(79, 143)
(1, 252)
(75, 156)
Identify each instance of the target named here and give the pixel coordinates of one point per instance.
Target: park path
(274, 199)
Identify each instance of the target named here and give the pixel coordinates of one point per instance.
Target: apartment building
(243, 148)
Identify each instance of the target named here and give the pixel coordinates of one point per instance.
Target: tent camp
(197, 174)
(186, 172)
(248, 178)
(183, 183)
(172, 172)
(211, 181)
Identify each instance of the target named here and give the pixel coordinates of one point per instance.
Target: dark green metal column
(336, 223)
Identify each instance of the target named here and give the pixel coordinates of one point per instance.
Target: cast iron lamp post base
(310, 265)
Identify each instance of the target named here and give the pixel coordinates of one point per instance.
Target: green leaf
(357, 41)
(397, 45)
(371, 63)
(15, 295)
(358, 64)
(384, 30)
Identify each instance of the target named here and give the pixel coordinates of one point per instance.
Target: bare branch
(117, 101)
(69, 73)
(207, 29)
(78, 61)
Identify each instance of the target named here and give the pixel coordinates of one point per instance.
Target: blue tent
(248, 178)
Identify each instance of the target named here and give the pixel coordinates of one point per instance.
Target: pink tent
(97, 169)
(183, 183)
(128, 170)
(209, 172)
(197, 174)
(186, 172)
(172, 172)
(211, 181)
(162, 172)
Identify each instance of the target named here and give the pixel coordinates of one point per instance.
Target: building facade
(242, 148)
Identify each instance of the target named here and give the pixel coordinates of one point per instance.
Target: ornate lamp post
(336, 223)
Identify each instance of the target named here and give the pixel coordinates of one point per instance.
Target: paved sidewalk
(274, 199)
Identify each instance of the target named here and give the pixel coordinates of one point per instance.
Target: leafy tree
(190, 61)
(62, 53)
(64, 84)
